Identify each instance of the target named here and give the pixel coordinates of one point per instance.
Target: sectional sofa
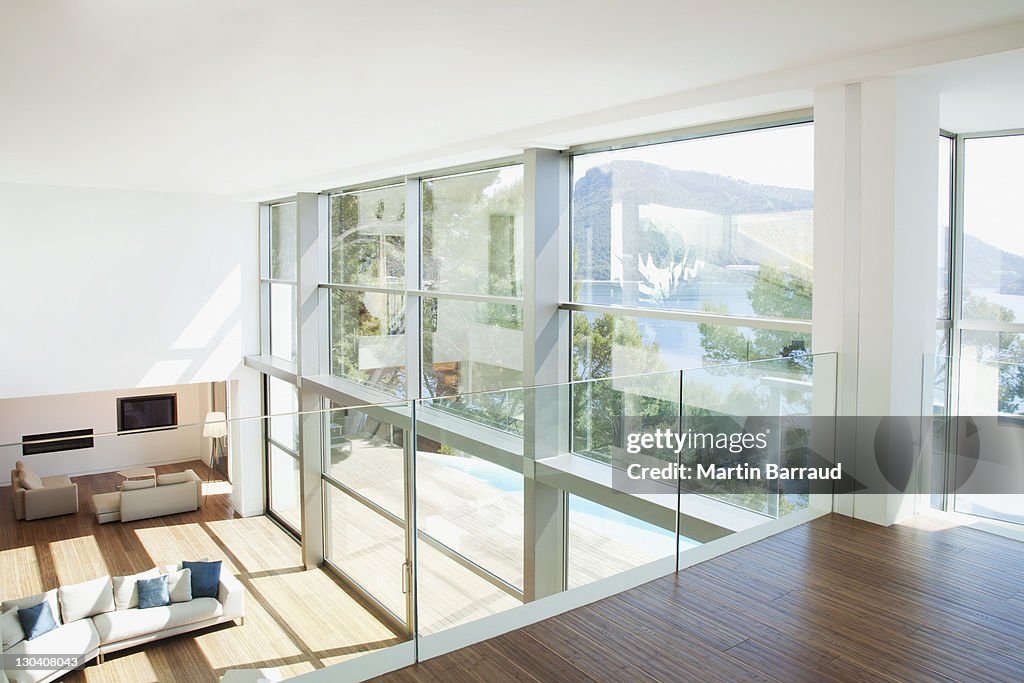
(103, 615)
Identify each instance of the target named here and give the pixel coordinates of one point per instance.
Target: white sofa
(168, 494)
(94, 619)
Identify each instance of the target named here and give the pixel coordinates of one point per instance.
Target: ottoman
(108, 507)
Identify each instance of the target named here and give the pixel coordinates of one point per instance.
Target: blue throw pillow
(205, 578)
(153, 592)
(36, 620)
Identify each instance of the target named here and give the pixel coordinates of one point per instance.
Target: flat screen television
(147, 412)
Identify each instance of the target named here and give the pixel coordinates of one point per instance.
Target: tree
(775, 294)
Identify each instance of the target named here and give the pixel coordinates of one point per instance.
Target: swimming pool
(594, 516)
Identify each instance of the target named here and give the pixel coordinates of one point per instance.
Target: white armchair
(37, 498)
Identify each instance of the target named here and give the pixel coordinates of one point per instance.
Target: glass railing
(977, 432)
(443, 513)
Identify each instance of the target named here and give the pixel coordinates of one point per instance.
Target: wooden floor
(296, 620)
(832, 600)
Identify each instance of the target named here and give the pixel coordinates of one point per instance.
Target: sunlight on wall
(223, 359)
(222, 306)
(164, 372)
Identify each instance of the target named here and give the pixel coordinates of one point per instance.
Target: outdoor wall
(98, 411)
(106, 289)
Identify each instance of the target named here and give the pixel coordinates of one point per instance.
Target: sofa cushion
(179, 583)
(29, 480)
(11, 632)
(49, 596)
(153, 592)
(36, 620)
(171, 478)
(81, 600)
(132, 623)
(79, 638)
(136, 484)
(205, 578)
(126, 592)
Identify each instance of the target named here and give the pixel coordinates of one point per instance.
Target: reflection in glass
(366, 454)
(991, 374)
(368, 547)
(283, 407)
(284, 487)
(607, 345)
(993, 240)
(721, 224)
(368, 237)
(472, 347)
(283, 321)
(283, 241)
(473, 507)
(473, 232)
(368, 339)
(604, 542)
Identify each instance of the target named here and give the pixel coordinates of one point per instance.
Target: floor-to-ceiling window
(278, 323)
(989, 331)
(424, 288)
(685, 254)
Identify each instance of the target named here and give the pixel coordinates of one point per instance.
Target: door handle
(405, 577)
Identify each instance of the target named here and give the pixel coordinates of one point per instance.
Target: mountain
(988, 266)
(648, 183)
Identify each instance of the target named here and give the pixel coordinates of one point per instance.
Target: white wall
(106, 289)
(98, 411)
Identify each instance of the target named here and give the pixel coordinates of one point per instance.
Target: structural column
(312, 217)
(545, 362)
(876, 165)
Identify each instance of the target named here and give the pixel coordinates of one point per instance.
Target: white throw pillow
(86, 599)
(135, 484)
(179, 585)
(171, 478)
(126, 593)
(49, 596)
(10, 628)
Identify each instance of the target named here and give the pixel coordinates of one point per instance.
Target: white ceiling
(264, 97)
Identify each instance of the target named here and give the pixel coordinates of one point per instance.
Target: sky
(993, 187)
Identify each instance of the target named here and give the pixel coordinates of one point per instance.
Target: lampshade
(216, 425)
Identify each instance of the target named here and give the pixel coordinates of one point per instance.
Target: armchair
(36, 498)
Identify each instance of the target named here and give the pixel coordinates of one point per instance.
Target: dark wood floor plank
(520, 647)
(665, 653)
(830, 601)
(596, 659)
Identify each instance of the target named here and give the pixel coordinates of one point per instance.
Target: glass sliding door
(365, 511)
